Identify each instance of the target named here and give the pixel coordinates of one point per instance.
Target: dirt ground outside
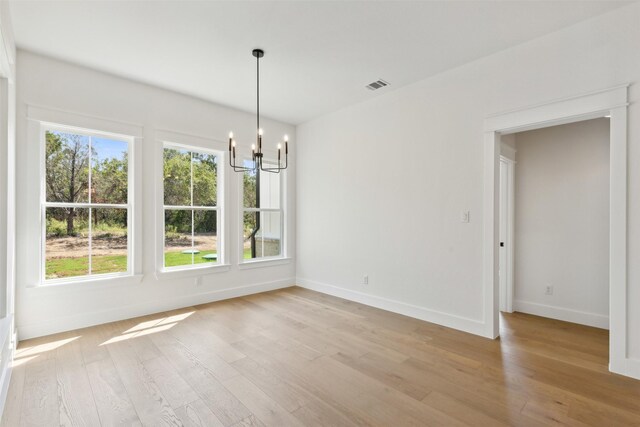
(203, 242)
(110, 244)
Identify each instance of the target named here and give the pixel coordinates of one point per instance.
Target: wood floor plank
(197, 334)
(91, 344)
(176, 390)
(75, 397)
(112, 400)
(151, 405)
(262, 406)
(250, 421)
(595, 413)
(197, 414)
(319, 414)
(175, 351)
(13, 404)
(285, 371)
(40, 395)
(394, 375)
(227, 408)
(459, 410)
(550, 412)
(287, 394)
(298, 357)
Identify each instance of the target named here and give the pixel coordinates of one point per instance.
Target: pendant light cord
(258, 93)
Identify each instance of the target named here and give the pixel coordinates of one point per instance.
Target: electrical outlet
(465, 216)
(365, 279)
(548, 290)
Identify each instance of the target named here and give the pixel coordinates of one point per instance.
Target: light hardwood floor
(297, 357)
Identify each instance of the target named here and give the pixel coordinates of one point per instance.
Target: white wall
(52, 84)
(382, 183)
(7, 198)
(562, 222)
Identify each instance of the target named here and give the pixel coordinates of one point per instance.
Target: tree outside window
(191, 220)
(85, 206)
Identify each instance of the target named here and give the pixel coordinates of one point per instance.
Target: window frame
(196, 143)
(129, 206)
(270, 260)
(217, 208)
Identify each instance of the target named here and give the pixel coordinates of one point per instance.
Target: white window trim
(204, 145)
(39, 119)
(281, 259)
(44, 127)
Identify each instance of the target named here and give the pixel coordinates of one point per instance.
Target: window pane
(205, 236)
(178, 242)
(177, 177)
(67, 242)
(67, 167)
(269, 190)
(108, 241)
(249, 189)
(205, 179)
(262, 234)
(109, 171)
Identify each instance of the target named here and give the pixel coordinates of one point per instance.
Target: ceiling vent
(377, 84)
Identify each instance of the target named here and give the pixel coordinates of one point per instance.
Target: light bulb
(279, 146)
(233, 143)
(230, 135)
(253, 146)
(260, 131)
(286, 138)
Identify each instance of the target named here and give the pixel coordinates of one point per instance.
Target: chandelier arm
(278, 168)
(273, 170)
(241, 168)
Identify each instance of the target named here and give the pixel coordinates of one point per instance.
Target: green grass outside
(177, 258)
(70, 267)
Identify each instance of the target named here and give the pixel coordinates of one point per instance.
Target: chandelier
(257, 162)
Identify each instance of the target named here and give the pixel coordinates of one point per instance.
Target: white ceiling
(319, 55)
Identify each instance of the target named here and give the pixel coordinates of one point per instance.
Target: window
(86, 206)
(191, 219)
(262, 215)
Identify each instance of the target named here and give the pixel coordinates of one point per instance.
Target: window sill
(270, 262)
(87, 283)
(192, 272)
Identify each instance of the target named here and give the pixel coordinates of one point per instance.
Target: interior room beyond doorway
(554, 222)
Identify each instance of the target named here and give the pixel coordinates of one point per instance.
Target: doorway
(611, 102)
(554, 222)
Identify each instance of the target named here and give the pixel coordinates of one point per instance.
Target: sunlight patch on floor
(42, 348)
(160, 321)
(22, 361)
(137, 334)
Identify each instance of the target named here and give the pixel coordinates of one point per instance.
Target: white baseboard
(4, 384)
(633, 368)
(561, 313)
(472, 326)
(83, 320)
(5, 376)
